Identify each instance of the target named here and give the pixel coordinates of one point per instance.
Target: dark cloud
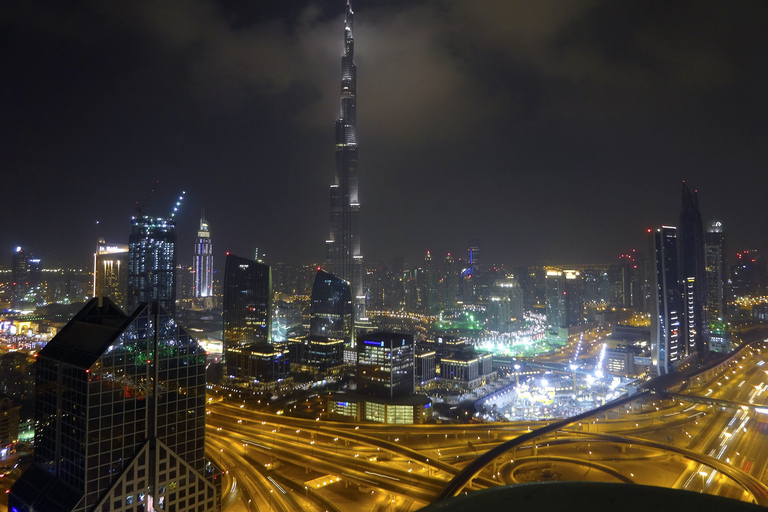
(550, 130)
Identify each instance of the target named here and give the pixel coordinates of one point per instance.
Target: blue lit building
(203, 264)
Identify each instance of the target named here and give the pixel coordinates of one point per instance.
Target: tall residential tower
(152, 262)
(666, 307)
(203, 264)
(693, 277)
(110, 272)
(343, 245)
(716, 267)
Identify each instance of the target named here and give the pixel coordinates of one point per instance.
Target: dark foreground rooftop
(588, 496)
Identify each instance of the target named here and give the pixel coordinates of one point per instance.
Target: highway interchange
(709, 436)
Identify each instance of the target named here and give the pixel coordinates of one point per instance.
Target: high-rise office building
(110, 272)
(202, 267)
(533, 281)
(666, 314)
(152, 262)
(716, 267)
(748, 276)
(428, 294)
(449, 283)
(693, 278)
(386, 364)
(565, 300)
(331, 313)
(247, 306)
(343, 245)
(625, 283)
(505, 308)
(19, 277)
(120, 417)
(26, 282)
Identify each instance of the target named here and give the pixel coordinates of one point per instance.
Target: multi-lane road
(283, 462)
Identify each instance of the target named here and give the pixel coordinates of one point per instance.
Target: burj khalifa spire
(343, 245)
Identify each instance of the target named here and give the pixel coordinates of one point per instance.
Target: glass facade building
(19, 278)
(318, 355)
(386, 364)
(152, 262)
(716, 268)
(693, 277)
(120, 417)
(331, 310)
(343, 244)
(665, 302)
(565, 302)
(247, 306)
(260, 365)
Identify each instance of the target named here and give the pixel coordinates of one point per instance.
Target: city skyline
(550, 134)
(495, 134)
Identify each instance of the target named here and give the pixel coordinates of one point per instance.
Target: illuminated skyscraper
(203, 264)
(505, 308)
(19, 278)
(625, 283)
(385, 364)
(120, 417)
(152, 262)
(343, 245)
(565, 301)
(693, 280)
(665, 302)
(110, 272)
(716, 267)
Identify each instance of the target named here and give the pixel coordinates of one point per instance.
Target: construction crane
(178, 204)
(141, 206)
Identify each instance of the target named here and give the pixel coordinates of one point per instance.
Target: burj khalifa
(343, 245)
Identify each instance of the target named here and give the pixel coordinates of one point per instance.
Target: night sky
(546, 130)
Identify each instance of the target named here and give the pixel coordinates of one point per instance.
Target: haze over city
(253, 256)
(546, 131)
